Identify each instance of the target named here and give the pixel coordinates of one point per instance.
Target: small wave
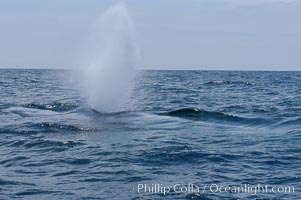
(215, 82)
(30, 192)
(197, 196)
(12, 161)
(77, 161)
(290, 122)
(26, 112)
(203, 115)
(13, 130)
(14, 183)
(5, 106)
(56, 126)
(66, 173)
(57, 106)
(45, 127)
(227, 82)
(172, 155)
(106, 114)
(51, 143)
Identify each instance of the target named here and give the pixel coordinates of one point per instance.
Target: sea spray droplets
(112, 54)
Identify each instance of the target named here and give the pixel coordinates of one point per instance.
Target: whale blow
(111, 58)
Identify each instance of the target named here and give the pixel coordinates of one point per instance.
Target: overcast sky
(172, 34)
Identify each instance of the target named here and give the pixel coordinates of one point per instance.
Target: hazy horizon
(156, 69)
(172, 34)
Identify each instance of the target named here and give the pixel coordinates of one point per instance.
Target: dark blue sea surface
(225, 128)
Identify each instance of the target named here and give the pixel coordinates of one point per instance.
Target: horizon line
(156, 69)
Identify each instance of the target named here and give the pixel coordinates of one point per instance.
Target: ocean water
(207, 128)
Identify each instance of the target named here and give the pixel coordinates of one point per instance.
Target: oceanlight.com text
(157, 188)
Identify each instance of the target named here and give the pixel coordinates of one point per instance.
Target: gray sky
(172, 34)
